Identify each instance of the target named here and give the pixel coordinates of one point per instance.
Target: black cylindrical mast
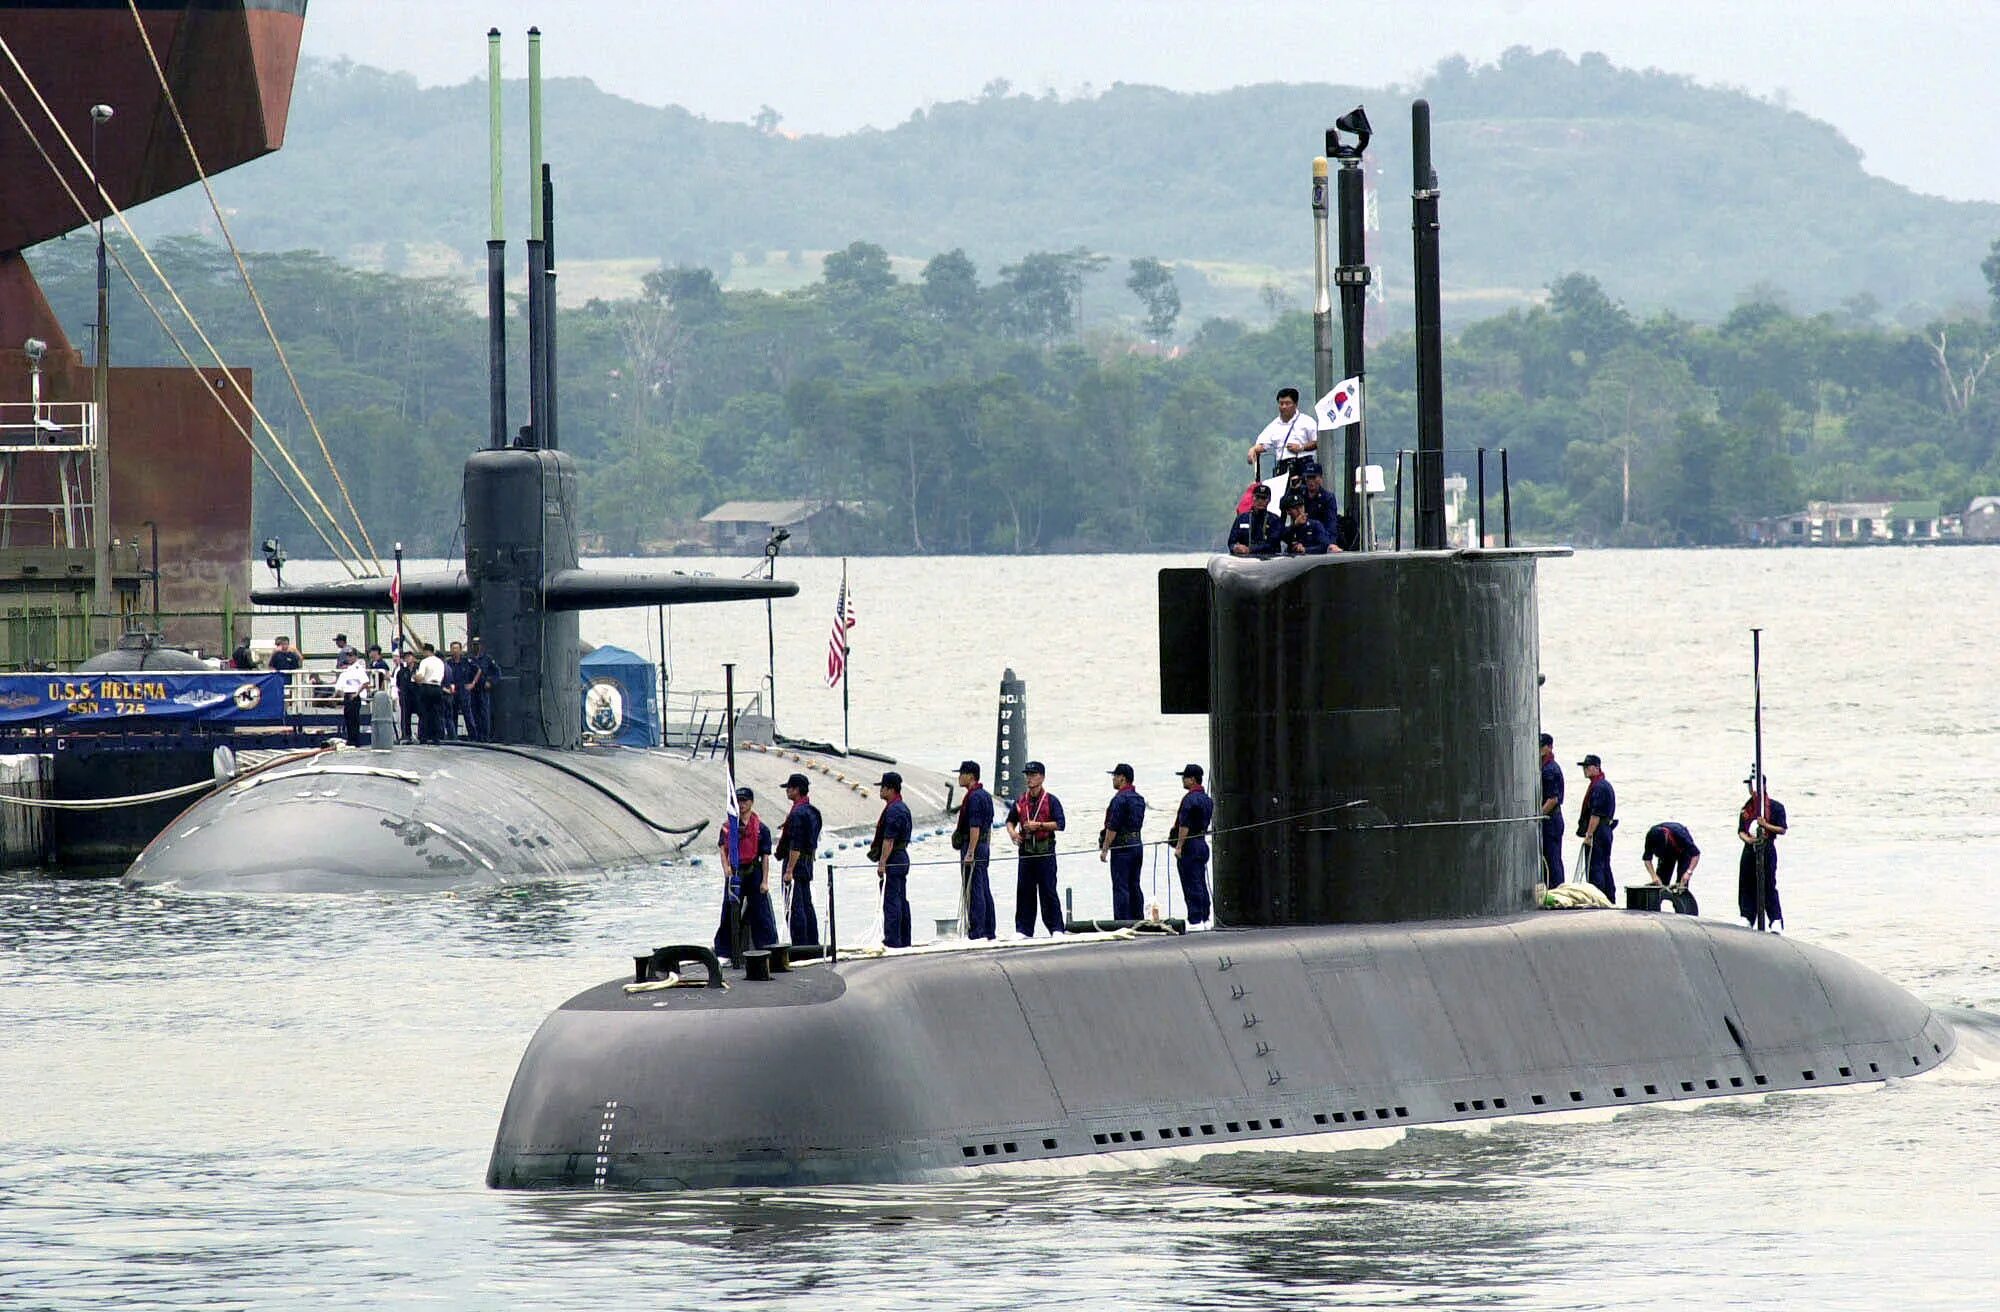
(537, 266)
(548, 430)
(1430, 335)
(1352, 279)
(496, 259)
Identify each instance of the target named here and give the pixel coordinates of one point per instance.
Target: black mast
(1352, 278)
(1430, 336)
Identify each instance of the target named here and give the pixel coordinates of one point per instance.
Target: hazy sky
(1911, 82)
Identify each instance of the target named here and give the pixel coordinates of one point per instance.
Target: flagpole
(846, 664)
(397, 645)
(1757, 771)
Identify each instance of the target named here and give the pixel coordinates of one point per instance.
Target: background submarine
(1383, 965)
(535, 803)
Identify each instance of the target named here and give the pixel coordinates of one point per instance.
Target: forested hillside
(1671, 194)
(966, 413)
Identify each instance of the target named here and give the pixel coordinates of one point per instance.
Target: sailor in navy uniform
(1552, 812)
(1757, 828)
(484, 670)
(746, 880)
(1595, 822)
(891, 850)
(1256, 530)
(973, 840)
(1670, 855)
(1033, 822)
(1302, 535)
(1191, 825)
(1121, 846)
(797, 843)
(1320, 505)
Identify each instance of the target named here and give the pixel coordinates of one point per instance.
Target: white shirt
(352, 679)
(431, 670)
(1289, 439)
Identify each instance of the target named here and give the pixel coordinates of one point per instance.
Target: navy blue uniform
(1321, 508)
(1670, 845)
(1257, 530)
(1746, 869)
(1196, 815)
(746, 891)
(892, 835)
(1305, 537)
(1599, 800)
(976, 812)
(1035, 881)
(458, 698)
(1122, 821)
(481, 700)
(1552, 823)
(801, 834)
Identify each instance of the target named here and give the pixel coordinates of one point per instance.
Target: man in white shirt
(352, 683)
(1293, 435)
(429, 683)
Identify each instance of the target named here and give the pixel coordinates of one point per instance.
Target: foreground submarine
(1380, 960)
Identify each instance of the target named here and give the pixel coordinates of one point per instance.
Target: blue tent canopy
(621, 698)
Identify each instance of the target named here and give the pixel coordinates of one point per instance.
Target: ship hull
(1048, 1058)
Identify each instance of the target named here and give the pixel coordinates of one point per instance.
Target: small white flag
(1341, 406)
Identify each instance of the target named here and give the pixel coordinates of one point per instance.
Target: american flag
(836, 643)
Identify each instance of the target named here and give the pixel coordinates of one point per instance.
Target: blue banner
(223, 697)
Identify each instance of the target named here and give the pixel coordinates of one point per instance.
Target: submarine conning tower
(1372, 731)
(520, 528)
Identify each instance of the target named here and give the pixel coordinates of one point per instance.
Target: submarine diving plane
(1381, 961)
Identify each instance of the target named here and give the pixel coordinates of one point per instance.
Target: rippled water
(222, 1102)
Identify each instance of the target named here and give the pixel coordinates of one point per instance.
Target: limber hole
(1537, 1099)
(1319, 1118)
(1500, 1104)
(1687, 1086)
(1277, 1123)
(1763, 1079)
(1652, 1088)
(1618, 1091)
(1208, 1129)
(1049, 1143)
(1736, 1081)
(1807, 1075)
(970, 1150)
(1100, 1139)
(1845, 1072)
(1010, 1148)
(1403, 1112)
(1873, 1069)
(989, 1148)
(1235, 1127)
(1459, 1106)
(1339, 1118)
(1479, 1104)
(1576, 1095)
(1712, 1084)
(1256, 1125)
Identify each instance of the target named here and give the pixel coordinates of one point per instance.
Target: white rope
(106, 803)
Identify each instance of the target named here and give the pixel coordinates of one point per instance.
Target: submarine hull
(425, 819)
(1041, 1057)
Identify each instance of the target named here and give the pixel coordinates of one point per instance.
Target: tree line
(959, 411)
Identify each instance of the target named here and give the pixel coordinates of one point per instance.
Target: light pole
(100, 459)
(777, 540)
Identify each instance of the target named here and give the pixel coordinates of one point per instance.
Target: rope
(1233, 829)
(250, 286)
(106, 803)
(172, 336)
(165, 282)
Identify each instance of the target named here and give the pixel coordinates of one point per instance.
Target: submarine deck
(918, 1064)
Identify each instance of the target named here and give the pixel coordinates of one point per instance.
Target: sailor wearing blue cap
(1595, 823)
(1191, 825)
(891, 854)
(1033, 823)
(1121, 845)
(973, 840)
(1552, 813)
(797, 842)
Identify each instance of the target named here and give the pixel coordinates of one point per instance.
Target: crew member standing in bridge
(484, 671)
(973, 840)
(1552, 813)
(1294, 434)
(891, 852)
(797, 844)
(1256, 530)
(1191, 826)
(1670, 855)
(282, 656)
(1320, 505)
(458, 701)
(1594, 824)
(406, 693)
(1033, 823)
(749, 865)
(1120, 844)
(1758, 825)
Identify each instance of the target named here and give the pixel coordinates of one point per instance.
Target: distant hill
(1672, 194)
